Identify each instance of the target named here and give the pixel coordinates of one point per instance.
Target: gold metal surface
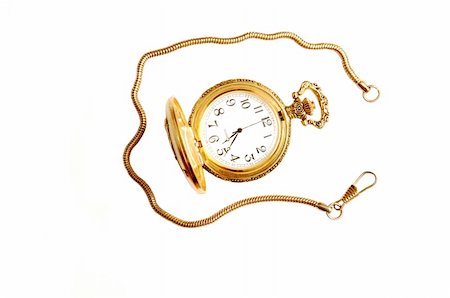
(336, 208)
(143, 121)
(275, 104)
(366, 96)
(303, 108)
(183, 145)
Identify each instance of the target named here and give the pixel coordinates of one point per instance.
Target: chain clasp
(335, 209)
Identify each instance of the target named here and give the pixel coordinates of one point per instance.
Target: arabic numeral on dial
(219, 111)
(223, 151)
(245, 104)
(260, 149)
(266, 121)
(258, 109)
(249, 157)
(213, 139)
(213, 125)
(231, 102)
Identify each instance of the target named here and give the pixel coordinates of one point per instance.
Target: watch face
(239, 129)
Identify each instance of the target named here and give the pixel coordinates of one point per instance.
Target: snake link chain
(248, 201)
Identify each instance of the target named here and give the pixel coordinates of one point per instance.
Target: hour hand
(228, 138)
(235, 137)
(235, 134)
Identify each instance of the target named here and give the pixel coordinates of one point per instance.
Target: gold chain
(329, 209)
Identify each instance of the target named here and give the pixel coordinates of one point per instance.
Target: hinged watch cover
(181, 138)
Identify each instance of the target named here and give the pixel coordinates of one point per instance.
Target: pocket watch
(239, 130)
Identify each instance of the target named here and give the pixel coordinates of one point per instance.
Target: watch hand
(252, 124)
(229, 138)
(235, 137)
(237, 132)
(232, 135)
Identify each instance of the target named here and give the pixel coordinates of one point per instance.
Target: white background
(73, 224)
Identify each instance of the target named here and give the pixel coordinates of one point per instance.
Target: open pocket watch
(238, 130)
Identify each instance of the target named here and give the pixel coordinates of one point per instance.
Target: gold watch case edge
(182, 141)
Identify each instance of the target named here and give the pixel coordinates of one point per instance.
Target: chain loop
(365, 93)
(336, 211)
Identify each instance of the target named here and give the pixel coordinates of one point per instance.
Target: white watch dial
(239, 130)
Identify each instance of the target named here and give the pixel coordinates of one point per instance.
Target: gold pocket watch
(238, 130)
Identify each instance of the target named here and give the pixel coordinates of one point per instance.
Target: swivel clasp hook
(336, 208)
(368, 186)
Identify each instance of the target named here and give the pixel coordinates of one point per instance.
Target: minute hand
(235, 137)
(252, 124)
(232, 135)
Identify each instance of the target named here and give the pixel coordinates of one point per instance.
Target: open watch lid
(182, 141)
